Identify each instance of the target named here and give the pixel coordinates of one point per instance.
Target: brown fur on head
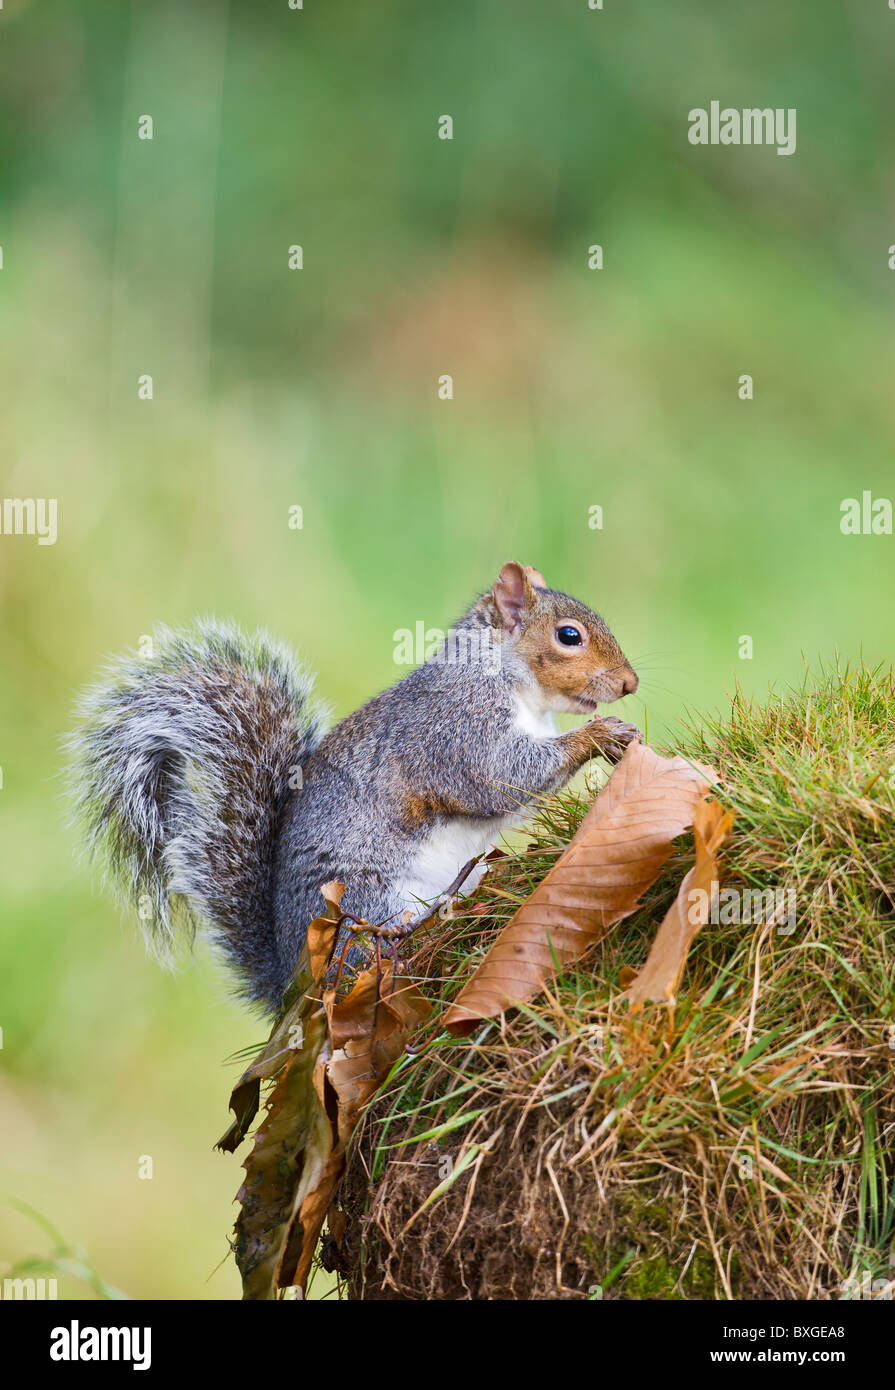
(570, 651)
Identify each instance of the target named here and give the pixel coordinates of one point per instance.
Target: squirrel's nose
(630, 683)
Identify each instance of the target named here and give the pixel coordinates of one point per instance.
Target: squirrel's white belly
(442, 855)
(533, 717)
(452, 844)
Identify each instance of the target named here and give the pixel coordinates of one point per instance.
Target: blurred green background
(318, 388)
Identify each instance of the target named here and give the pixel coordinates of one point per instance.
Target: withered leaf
(660, 976)
(290, 1153)
(362, 1059)
(368, 1030)
(298, 1002)
(292, 1144)
(615, 855)
(328, 1057)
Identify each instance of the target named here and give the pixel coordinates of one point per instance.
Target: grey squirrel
(208, 785)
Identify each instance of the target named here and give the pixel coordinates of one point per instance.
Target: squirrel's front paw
(615, 735)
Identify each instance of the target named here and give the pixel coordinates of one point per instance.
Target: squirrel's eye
(568, 636)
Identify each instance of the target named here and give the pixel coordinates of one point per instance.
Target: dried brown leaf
(372, 1025)
(660, 976)
(328, 1056)
(298, 1002)
(615, 855)
(293, 1143)
(290, 1153)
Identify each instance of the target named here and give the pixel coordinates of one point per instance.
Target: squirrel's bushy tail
(182, 763)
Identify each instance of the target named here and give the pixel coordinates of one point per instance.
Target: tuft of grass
(736, 1146)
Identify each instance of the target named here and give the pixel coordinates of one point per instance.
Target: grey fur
(182, 767)
(406, 737)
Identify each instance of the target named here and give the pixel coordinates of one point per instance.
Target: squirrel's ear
(535, 578)
(513, 596)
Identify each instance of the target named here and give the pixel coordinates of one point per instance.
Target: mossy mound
(737, 1146)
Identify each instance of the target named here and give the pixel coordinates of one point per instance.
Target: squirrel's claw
(617, 734)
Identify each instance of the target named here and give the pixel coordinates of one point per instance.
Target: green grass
(738, 1146)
